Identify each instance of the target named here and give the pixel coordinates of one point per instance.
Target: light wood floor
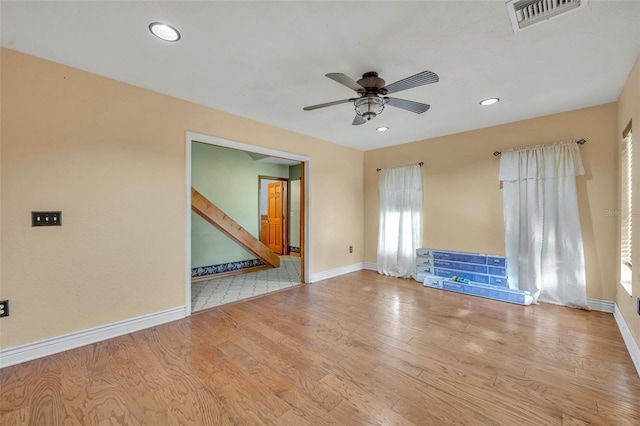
(359, 349)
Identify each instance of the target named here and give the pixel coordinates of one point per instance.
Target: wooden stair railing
(232, 229)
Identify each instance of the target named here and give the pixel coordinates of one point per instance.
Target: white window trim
(626, 213)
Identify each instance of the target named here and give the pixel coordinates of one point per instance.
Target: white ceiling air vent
(526, 13)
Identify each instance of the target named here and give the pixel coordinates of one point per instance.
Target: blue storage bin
(448, 273)
(501, 272)
(498, 281)
(460, 257)
(505, 295)
(476, 267)
(469, 267)
(424, 260)
(497, 261)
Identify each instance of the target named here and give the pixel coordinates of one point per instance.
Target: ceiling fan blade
(345, 80)
(420, 79)
(326, 104)
(412, 106)
(358, 120)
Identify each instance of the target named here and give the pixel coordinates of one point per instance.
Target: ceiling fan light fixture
(489, 101)
(164, 31)
(382, 128)
(372, 91)
(369, 106)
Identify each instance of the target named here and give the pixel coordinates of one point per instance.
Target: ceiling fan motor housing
(372, 83)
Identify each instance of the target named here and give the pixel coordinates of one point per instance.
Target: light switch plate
(46, 218)
(4, 308)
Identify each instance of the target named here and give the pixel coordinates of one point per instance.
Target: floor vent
(526, 13)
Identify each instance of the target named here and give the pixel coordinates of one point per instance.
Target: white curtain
(400, 226)
(542, 223)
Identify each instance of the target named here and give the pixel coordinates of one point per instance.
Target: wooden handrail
(232, 229)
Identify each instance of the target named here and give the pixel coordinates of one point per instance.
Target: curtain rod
(580, 142)
(419, 164)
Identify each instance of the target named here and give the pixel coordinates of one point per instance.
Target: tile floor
(218, 291)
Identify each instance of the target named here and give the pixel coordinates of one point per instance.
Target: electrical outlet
(350, 249)
(4, 308)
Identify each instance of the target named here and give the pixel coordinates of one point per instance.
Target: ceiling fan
(372, 91)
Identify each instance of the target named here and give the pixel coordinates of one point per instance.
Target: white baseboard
(629, 340)
(370, 266)
(601, 305)
(41, 348)
(324, 275)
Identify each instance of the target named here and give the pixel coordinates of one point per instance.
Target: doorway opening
(274, 213)
(216, 269)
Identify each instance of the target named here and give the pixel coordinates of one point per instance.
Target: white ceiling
(266, 60)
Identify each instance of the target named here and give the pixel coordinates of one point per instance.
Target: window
(400, 226)
(626, 213)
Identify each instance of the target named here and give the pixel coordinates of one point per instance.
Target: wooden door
(274, 217)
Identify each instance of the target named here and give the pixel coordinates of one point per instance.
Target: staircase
(212, 214)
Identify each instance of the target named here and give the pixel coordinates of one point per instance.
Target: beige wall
(462, 196)
(629, 109)
(112, 157)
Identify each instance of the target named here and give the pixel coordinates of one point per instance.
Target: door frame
(285, 209)
(305, 201)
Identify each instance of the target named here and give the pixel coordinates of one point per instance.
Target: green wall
(294, 213)
(229, 179)
(295, 172)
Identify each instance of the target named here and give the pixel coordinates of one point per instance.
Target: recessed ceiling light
(164, 32)
(382, 129)
(489, 101)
